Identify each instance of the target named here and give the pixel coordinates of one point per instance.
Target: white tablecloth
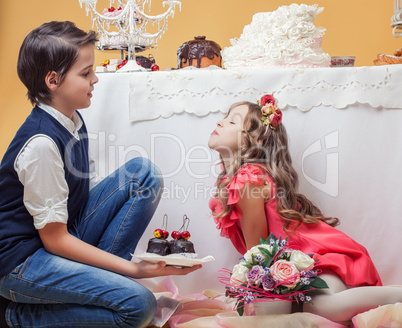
(348, 160)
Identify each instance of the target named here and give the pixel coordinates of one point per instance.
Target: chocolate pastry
(199, 53)
(181, 246)
(158, 246)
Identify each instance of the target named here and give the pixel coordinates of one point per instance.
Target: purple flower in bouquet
(268, 283)
(255, 274)
(259, 258)
(249, 298)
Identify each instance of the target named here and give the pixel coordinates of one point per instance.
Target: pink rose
(276, 118)
(285, 273)
(267, 99)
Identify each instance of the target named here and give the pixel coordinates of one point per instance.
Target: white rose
(294, 33)
(247, 256)
(281, 31)
(276, 55)
(301, 260)
(238, 274)
(281, 19)
(290, 50)
(279, 43)
(255, 251)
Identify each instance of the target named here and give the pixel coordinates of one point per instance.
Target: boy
(65, 244)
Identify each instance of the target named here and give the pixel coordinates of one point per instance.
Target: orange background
(360, 28)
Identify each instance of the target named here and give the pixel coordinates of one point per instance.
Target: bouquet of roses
(271, 270)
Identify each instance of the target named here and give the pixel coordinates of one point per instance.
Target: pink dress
(335, 251)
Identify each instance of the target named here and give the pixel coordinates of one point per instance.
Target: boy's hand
(146, 269)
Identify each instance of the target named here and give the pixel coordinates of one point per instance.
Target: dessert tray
(342, 61)
(175, 259)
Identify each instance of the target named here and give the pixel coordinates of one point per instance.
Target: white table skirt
(348, 160)
(204, 91)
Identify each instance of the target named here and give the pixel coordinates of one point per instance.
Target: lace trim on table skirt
(204, 91)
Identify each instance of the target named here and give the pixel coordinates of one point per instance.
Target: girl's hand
(146, 269)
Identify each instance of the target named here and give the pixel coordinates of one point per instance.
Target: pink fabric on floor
(206, 309)
(168, 285)
(233, 320)
(211, 309)
(383, 316)
(295, 320)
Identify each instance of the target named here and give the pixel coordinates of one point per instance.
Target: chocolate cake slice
(158, 246)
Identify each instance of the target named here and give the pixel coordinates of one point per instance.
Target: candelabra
(396, 20)
(124, 27)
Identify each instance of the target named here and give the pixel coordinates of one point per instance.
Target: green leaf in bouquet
(296, 299)
(301, 287)
(267, 262)
(262, 241)
(265, 252)
(318, 283)
(253, 260)
(247, 264)
(275, 248)
(240, 307)
(282, 290)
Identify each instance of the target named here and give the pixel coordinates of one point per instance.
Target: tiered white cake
(285, 37)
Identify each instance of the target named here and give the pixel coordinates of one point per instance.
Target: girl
(65, 249)
(257, 195)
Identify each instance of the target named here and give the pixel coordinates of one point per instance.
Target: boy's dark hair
(51, 47)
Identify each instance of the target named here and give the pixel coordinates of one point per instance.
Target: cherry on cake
(181, 245)
(159, 245)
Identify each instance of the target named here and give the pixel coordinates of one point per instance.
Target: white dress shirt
(40, 169)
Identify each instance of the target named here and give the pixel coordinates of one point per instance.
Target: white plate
(175, 259)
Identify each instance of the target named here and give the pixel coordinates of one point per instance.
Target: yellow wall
(354, 27)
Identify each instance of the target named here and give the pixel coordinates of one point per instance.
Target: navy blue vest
(18, 236)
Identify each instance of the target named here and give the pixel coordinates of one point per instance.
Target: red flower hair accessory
(271, 114)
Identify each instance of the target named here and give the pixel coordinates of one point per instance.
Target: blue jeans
(51, 291)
